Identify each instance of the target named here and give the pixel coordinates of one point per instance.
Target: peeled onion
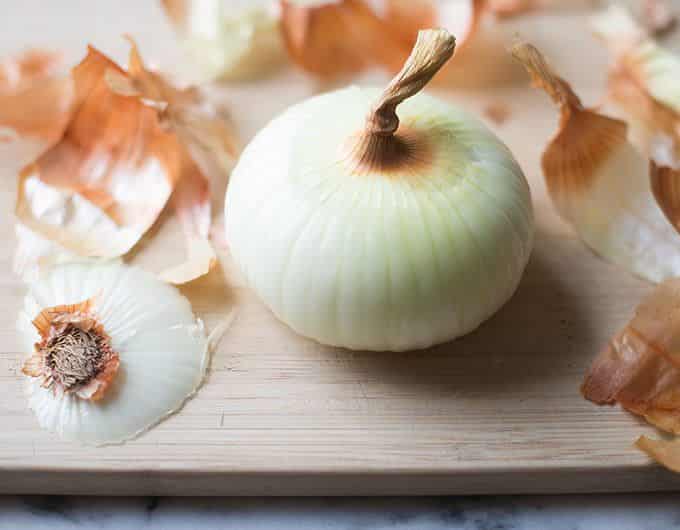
(372, 235)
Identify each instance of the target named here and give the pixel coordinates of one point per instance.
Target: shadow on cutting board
(567, 305)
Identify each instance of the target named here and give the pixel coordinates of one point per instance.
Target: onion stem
(379, 145)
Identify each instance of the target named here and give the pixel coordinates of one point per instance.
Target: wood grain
(496, 412)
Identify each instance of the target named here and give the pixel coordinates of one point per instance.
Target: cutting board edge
(556, 480)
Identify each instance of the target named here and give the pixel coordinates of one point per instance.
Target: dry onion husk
(132, 141)
(100, 187)
(640, 370)
(337, 38)
(334, 38)
(31, 81)
(600, 183)
(146, 352)
(644, 79)
(228, 42)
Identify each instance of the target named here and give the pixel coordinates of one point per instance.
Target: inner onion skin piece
(75, 354)
(571, 160)
(385, 146)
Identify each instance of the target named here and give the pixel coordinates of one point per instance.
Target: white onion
(380, 258)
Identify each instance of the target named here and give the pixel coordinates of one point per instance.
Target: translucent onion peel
(35, 254)
(640, 369)
(206, 142)
(341, 37)
(338, 38)
(665, 452)
(600, 183)
(644, 80)
(103, 184)
(331, 38)
(115, 351)
(666, 188)
(406, 17)
(227, 43)
(34, 100)
(380, 219)
(133, 141)
(481, 61)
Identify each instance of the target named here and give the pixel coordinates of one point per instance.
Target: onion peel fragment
(228, 42)
(340, 38)
(133, 141)
(584, 139)
(665, 181)
(644, 79)
(407, 17)
(86, 367)
(665, 452)
(600, 183)
(640, 369)
(177, 12)
(34, 99)
(205, 141)
(99, 188)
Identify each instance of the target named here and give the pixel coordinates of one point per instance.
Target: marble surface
(571, 512)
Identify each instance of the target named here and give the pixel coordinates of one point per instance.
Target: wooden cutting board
(498, 411)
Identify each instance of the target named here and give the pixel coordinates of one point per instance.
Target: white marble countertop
(569, 512)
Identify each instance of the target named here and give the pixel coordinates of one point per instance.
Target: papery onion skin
(226, 42)
(600, 183)
(640, 370)
(379, 259)
(34, 100)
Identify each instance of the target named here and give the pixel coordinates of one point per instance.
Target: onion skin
(375, 258)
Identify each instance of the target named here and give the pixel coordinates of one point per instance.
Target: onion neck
(382, 144)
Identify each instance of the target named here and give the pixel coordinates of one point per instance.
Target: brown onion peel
(664, 452)
(147, 140)
(631, 86)
(640, 370)
(338, 38)
(35, 100)
(120, 137)
(74, 355)
(177, 11)
(205, 141)
(585, 139)
(665, 182)
(599, 181)
(634, 78)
